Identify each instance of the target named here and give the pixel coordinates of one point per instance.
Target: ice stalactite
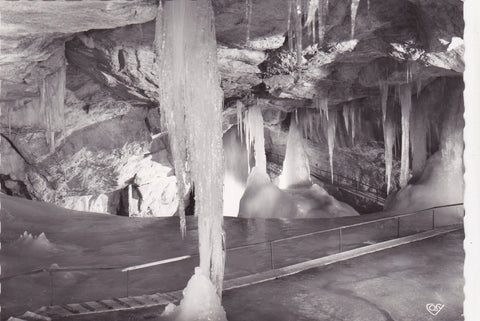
(419, 87)
(248, 16)
(349, 117)
(346, 117)
(170, 49)
(240, 107)
(298, 31)
(353, 16)
(296, 168)
(383, 98)
(317, 14)
(254, 136)
(405, 96)
(189, 87)
(52, 101)
(331, 131)
(290, 25)
(389, 135)
(418, 140)
(321, 104)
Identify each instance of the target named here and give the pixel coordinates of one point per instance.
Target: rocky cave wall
(111, 155)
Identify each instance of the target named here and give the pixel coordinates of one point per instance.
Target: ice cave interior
(224, 133)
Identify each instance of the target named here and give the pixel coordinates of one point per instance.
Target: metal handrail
(269, 243)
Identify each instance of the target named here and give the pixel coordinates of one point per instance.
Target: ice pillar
(296, 168)
(405, 96)
(254, 136)
(189, 85)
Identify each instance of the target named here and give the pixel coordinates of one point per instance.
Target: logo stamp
(434, 309)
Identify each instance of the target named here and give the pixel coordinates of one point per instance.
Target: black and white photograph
(240, 160)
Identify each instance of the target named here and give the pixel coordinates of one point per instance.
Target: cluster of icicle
(251, 126)
(415, 130)
(314, 13)
(52, 102)
(191, 105)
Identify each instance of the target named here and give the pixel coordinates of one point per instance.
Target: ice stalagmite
(353, 15)
(296, 169)
(189, 84)
(331, 130)
(254, 136)
(405, 96)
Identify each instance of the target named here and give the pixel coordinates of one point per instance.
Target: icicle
(389, 140)
(296, 169)
(321, 104)
(298, 31)
(352, 112)
(240, 106)
(248, 14)
(346, 115)
(254, 136)
(290, 27)
(405, 95)
(190, 95)
(419, 87)
(383, 97)
(353, 15)
(331, 130)
(52, 102)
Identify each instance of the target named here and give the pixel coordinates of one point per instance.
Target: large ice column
(190, 89)
(331, 132)
(389, 136)
(353, 15)
(172, 82)
(405, 96)
(296, 168)
(254, 136)
(52, 101)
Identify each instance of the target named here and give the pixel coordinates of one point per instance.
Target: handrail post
(51, 286)
(433, 218)
(340, 240)
(398, 227)
(128, 280)
(271, 255)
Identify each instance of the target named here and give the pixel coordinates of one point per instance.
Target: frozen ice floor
(395, 284)
(75, 239)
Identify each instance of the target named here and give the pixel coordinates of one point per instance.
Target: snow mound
(30, 243)
(200, 302)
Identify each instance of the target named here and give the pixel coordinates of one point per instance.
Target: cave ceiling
(113, 43)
